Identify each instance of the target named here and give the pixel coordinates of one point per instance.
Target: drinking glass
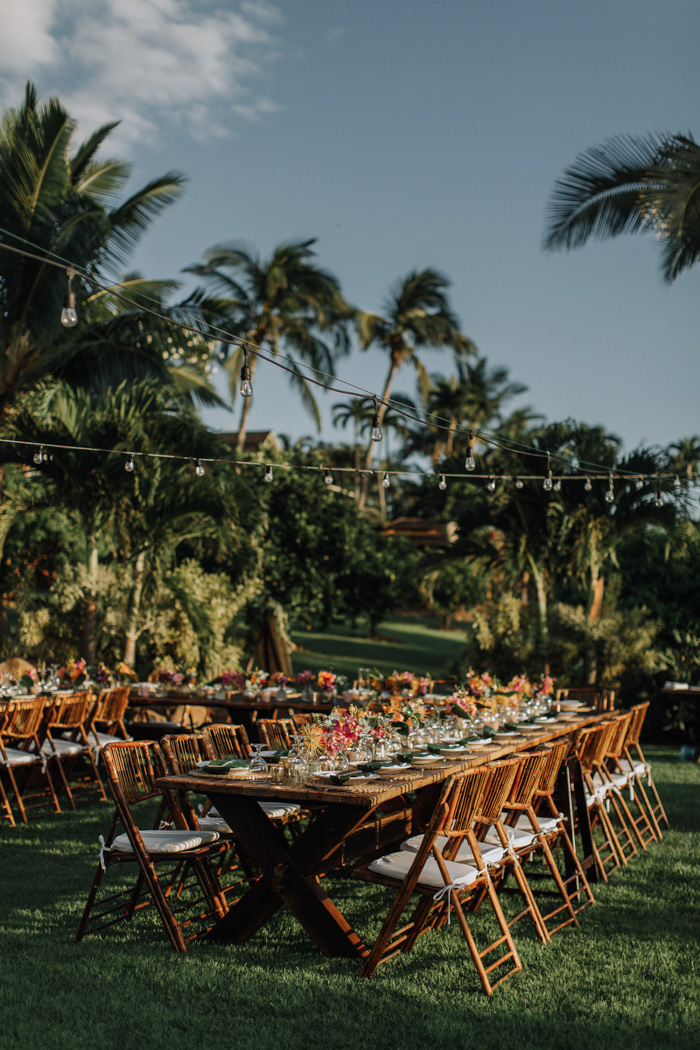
(257, 762)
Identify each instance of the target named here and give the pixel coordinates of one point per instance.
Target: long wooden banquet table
(346, 825)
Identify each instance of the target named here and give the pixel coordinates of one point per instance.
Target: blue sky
(403, 134)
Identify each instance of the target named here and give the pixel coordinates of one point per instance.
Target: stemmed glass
(257, 762)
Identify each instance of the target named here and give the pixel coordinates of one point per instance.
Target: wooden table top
(372, 793)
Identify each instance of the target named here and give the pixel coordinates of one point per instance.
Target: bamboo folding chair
(276, 733)
(224, 740)
(107, 721)
(131, 768)
(591, 746)
(21, 758)
(443, 884)
(592, 696)
(67, 742)
(302, 719)
(611, 770)
(636, 764)
(534, 782)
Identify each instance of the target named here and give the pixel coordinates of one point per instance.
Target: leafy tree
(416, 315)
(61, 202)
(632, 184)
(284, 304)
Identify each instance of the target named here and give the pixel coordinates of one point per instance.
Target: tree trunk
(595, 609)
(132, 632)
(90, 623)
(543, 626)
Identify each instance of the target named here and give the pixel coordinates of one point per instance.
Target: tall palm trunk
(90, 621)
(595, 609)
(132, 618)
(542, 623)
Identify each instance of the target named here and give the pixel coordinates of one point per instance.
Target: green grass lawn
(407, 643)
(628, 978)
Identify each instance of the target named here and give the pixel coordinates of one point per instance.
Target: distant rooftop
(422, 533)
(254, 440)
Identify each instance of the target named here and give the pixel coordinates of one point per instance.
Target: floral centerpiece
(177, 679)
(407, 683)
(409, 718)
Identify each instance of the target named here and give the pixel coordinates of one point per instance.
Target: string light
(519, 483)
(677, 483)
(491, 486)
(639, 484)
(199, 469)
(376, 423)
(69, 315)
(442, 483)
(226, 337)
(40, 455)
(268, 473)
(610, 494)
(547, 486)
(129, 465)
(328, 477)
(557, 485)
(588, 486)
(470, 462)
(386, 481)
(246, 376)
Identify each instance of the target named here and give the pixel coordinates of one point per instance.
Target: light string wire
(507, 445)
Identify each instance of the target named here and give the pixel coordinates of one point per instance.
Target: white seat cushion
(63, 747)
(279, 810)
(490, 854)
(638, 768)
(166, 841)
(274, 810)
(396, 866)
(17, 757)
(217, 824)
(520, 838)
(107, 738)
(547, 824)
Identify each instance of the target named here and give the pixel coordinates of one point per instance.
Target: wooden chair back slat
(131, 772)
(527, 781)
(498, 786)
(22, 719)
(225, 739)
(182, 752)
(276, 732)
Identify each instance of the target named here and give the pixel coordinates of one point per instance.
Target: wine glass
(257, 762)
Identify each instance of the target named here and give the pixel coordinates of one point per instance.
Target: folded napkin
(223, 765)
(342, 778)
(373, 765)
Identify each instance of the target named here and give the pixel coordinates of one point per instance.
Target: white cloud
(150, 63)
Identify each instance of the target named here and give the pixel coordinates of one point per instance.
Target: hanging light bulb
(376, 423)
(575, 462)
(610, 494)
(677, 483)
(69, 315)
(639, 484)
(548, 484)
(470, 462)
(557, 485)
(491, 486)
(442, 483)
(199, 468)
(40, 455)
(129, 465)
(386, 481)
(518, 483)
(588, 486)
(246, 376)
(328, 477)
(268, 473)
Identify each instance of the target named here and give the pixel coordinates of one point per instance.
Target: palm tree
(473, 398)
(284, 303)
(416, 315)
(62, 200)
(632, 184)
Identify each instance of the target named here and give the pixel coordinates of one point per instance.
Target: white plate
(390, 771)
(503, 736)
(571, 705)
